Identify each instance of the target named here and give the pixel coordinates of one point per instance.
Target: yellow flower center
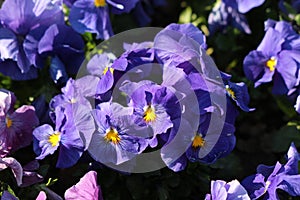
(271, 64)
(100, 3)
(54, 139)
(230, 91)
(73, 100)
(106, 70)
(198, 141)
(149, 114)
(8, 122)
(112, 136)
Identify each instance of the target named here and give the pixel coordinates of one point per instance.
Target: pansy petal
(86, 188)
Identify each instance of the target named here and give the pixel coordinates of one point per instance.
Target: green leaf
(186, 16)
(284, 137)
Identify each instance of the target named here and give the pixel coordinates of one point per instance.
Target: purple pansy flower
(61, 43)
(65, 135)
(117, 138)
(154, 106)
(276, 58)
(19, 19)
(230, 12)
(179, 43)
(15, 126)
(233, 190)
(270, 178)
(76, 107)
(93, 15)
(86, 188)
(100, 66)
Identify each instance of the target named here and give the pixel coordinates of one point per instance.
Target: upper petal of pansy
(291, 167)
(271, 43)
(238, 20)
(86, 188)
(86, 17)
(65, 43)
(98, 63)
(22, 16)
(179, 42)
(246, 5)
(288, 74)
(218, 190)
(236, 190)
(9, 47)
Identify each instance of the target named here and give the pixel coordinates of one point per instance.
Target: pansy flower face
(151, 103)
(65, 135)
(273, 55)
(117, 138)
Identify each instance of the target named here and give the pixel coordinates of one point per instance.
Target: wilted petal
(15, 167)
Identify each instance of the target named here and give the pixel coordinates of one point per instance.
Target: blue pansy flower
(117, 138)
(276, 58)
(19, 19)
(65, 136)
(270, 178)
(93, 15)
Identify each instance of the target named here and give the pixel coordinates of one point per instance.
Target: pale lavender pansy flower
(86, 188)
(233, 190)
(270, 178)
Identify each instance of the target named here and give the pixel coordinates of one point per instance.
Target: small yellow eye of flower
(100, 3)
(149, 114)
(54, 139)
(271, 64)
(106, 70)
(230, 91)
(112, 136)
(73, 100)
(198, 141)
(267, 186)
(8, 122)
